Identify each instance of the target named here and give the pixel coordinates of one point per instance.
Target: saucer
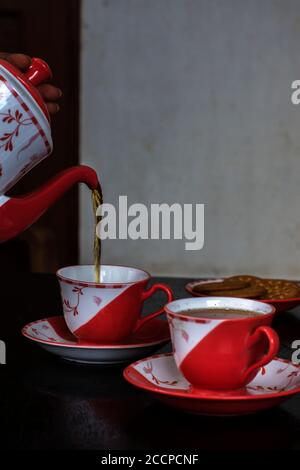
(159, 375)
(281, 305)
(53, 335)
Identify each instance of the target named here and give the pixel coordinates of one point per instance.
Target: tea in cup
(220, 343)
(110, 310)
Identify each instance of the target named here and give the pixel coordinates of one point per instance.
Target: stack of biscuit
(250, 287)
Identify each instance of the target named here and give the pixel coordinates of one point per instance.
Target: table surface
(46, 403)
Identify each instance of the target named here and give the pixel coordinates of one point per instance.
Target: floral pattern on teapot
(23, 141)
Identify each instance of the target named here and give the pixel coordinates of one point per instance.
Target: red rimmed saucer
(159, 375)
(53, 335)
(281, 305)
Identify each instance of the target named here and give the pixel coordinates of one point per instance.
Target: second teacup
(109, 311)
(220, 343)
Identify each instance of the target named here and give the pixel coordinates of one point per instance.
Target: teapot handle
(38, 72)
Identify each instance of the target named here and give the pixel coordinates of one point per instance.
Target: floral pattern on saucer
(159, 375)
(53, 335)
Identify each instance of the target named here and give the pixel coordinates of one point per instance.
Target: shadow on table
(92, 408)
(167, 428)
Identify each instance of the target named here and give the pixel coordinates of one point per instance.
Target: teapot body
(25, 134)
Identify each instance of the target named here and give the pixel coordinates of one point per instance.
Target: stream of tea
(97, 198)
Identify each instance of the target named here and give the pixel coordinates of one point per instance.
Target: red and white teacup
(221, 353)
(109, 311)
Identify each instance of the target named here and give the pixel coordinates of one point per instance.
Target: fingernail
(60, 93)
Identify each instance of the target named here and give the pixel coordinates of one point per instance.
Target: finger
(21, 61)
(49, 92)
(53, 108)
(3, 55)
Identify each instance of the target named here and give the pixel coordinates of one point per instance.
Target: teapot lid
(38, 72)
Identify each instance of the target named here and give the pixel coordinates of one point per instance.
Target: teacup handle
(148, 293)
(273, 341)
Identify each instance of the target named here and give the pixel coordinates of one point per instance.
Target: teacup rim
(101, 284)
(190, 318)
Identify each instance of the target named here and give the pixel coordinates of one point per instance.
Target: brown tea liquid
(219, 313)
(97, 198)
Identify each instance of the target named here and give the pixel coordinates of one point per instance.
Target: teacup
(218, 352)
(108, 311)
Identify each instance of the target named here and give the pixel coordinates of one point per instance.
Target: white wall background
(189, 101)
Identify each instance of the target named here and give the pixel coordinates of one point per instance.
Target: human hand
(50, 93)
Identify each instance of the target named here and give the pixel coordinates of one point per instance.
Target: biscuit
(227, 284)
(279, 289)
(252, 292)
(252, 287)
(244, 278)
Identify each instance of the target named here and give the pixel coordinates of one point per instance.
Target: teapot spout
(18, 213)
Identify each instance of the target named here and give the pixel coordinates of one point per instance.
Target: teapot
(25, 140)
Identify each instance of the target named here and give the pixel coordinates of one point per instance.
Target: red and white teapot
(25, 140)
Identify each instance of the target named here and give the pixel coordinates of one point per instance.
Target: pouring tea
(25, 140)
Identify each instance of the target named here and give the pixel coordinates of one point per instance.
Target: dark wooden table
(46, 403)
